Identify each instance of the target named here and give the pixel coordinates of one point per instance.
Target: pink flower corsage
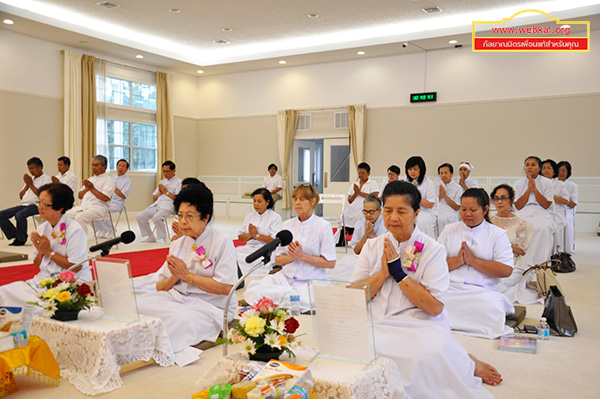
(200, 256)
(61, 237)
(411, 260)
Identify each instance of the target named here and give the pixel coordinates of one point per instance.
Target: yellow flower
(255, 326)
(46, 281)
(282, 340)
(52, 293)
(64, 296)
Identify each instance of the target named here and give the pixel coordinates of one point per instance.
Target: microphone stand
(76, 265)
(266, 259)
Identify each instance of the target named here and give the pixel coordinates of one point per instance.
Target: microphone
(283, 238)
(126, 238)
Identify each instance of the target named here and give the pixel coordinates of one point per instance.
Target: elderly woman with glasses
(308, 256)
(196, 277)
(59, 242)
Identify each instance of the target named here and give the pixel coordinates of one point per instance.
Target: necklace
(503, 218)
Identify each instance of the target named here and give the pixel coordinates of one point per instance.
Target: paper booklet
(518, 343)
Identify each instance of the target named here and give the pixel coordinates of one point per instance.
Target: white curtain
(101, 124)
(72, 110)
(286, 130)
(357, 126)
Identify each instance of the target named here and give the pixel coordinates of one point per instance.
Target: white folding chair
(339, 200)
(108, 216)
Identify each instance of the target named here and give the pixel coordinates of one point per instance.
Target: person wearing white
(464, 180)
(273, 182)
(558, 210)
(415, 173)
(520, 232)
(59, 243)
(407, 299)
(197, 276)
(372, 226)
(162, 206)
(122, 191)
(534, 195)
(95, 194)
(449, 193)
(564, 172)
(259, 228)
(65, 175)
(479, 254)
(28, 196)
(362, 187)
(393, 174)
(308, 256)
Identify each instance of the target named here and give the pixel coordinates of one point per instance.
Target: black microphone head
(127, 237)
(285, 236)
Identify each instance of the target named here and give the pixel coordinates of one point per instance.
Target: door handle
(324, 179)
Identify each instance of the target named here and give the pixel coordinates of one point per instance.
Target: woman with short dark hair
(415, 173)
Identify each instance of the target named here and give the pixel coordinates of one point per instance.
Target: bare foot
(488, 374)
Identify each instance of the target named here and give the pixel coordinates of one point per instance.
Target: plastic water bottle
(543, 330)
(295, 302)
(18, 334)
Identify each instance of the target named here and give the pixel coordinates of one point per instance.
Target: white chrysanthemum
(249, 346)
(246, 315)
(230, 333)
(282, 314)
(63, 286)
(49, 308)
(39, 294)
(272, 340)
(277, 325)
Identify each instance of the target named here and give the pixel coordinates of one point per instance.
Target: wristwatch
(52, 254)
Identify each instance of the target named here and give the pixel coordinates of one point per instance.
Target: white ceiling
(265, 31)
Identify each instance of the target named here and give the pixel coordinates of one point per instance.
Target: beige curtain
(164, 123)
(357, 126)
(101, 110)
(88, 113)
(72, 110)
(286, 130)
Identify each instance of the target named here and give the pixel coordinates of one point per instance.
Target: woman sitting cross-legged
(308, 256)
(408, 277)
(196, 277)
(259, 228)
(520, 232)
(479, 254)
(59, 242)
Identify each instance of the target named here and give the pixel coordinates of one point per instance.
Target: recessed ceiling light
(107, 4)
(313, 15)
(174, 10)
(221, 42)
(453, 41)
(8, 21)
(361, 53)
(431, 10)
(139, 56)
(227, 29)
(199, 71)
(283, 62)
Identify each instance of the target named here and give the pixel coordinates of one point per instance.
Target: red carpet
(142, 263)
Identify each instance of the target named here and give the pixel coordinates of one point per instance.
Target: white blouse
(359, 231)
(103, 183)
(267, 224)
(543, 185)
(427, 191)
(454, 191)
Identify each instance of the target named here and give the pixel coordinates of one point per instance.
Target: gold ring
(38, 241)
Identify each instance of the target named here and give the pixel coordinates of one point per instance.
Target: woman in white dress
(59, 242)
(197, 276)
(520, 232)
(407, 299)
(479, 255)
(415, 174)
(449, 193)
(393, 174)
(560, 204)
(564, 173)
(259, 228)
(534, 195)
(308, 256)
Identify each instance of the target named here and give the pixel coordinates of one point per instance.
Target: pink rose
(63, 226)
(237, 338)
(67, 276)
(264, 305)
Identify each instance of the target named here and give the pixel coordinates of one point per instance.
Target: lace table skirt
(333, 379)
(90, 351)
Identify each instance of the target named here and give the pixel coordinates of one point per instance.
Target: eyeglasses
(188, 217)
(366, 212)
(501, 199)
(38, 203)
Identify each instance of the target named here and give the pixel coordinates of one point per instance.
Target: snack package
(9, 315)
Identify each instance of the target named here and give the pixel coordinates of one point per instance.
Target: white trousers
(158, 216)
(85, 216)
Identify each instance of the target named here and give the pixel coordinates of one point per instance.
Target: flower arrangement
(63, 293)
(264, 327)
(412, 255)
(61, 237)
(199, 255)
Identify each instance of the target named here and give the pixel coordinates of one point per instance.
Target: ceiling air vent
(431, 10)
(304, 123)
(340, 120)
(107, 4)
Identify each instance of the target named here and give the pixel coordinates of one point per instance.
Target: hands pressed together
(178, 268)
(41, 243)
(391, 262)
(465, 255)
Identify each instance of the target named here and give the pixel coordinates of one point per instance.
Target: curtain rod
(129, 66)
(325, 108)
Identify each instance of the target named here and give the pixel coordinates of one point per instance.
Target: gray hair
(373, 198)
(102, 159)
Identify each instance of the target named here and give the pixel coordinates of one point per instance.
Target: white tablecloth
(90, 351)
(333, 379)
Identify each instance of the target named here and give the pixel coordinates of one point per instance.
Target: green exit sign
(423, 97)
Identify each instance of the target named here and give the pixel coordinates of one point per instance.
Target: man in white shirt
(95, 194)
(466, 182)
(65, 176)
(122, 191)
(273, 182)
(162, 206)
(28, 207)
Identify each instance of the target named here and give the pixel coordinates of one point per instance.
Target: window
(128, 129)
